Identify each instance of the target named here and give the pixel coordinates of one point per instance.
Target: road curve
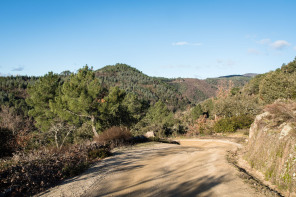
(195, 168)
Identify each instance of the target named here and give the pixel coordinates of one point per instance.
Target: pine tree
(41, 94)
(80, 98)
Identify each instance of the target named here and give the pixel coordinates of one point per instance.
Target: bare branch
(80, 115)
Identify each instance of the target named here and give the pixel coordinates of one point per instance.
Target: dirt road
(196, 168)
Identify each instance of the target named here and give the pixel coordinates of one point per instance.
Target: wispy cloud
(223, 62)
(264, 41)
(280, 44)
(254, 52)
(20, 68)
(183, 43)
(294, 48)
(277, 45)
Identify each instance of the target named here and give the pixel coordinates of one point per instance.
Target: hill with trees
(151, 89)
(175, 93)
(58, 114)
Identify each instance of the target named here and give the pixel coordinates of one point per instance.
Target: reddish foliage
(114, 136)
(28, 174)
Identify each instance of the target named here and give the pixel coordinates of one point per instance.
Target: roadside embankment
(271, 149)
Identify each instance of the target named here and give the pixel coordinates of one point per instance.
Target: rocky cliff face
(272, 145)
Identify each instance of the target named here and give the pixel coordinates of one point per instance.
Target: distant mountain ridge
(176, 93)
(244, 75)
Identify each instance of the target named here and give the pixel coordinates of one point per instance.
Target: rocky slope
(272, 145)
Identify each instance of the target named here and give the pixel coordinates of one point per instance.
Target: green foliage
(252, 88)
(208, 106)
(232, 124)
(112, 111)
(79, 99)
(70, 170)
(146, 88)
(41, 94)
(158, 119)
(224, 125)
(276, 85)
(194, 90)
(290, 67)
(196, 112)
(237, 105)
(235, 91)
(99, 153)
(136, 107)
(160, 114)
(13, 93)
(238, 81)
(83, 133)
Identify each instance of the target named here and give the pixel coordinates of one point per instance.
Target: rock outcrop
(272, 146)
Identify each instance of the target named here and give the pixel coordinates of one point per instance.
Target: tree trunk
(93, 126)
(56, 138)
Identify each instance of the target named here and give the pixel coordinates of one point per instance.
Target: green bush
(224, 125)
(70, 170)
(233, 123)
(99, 153)
(196, 112)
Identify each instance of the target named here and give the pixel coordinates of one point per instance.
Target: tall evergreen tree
(80, 98)
(41, 94)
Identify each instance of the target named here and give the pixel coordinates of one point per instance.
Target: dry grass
(282, 110)
(114, 137)
(26, 174)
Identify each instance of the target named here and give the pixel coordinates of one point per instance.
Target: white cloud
(264, 41)
(254, 52)
(20, 68)
(295, 48)
(279, 44)
(222, 62)
(182, 43)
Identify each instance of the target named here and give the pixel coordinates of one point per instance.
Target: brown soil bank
(196, 168)
(272, 146)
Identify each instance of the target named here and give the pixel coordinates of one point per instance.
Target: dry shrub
(282, 111)
(7, 143)
(34, 172)
(114, 137)
(202, 126)
(18, 125)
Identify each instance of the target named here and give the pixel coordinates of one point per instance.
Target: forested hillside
(59, 114)
(148, 88)
(197, 90)
(175, 93)
(234, 106)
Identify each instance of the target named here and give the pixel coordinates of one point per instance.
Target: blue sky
(185, 38)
